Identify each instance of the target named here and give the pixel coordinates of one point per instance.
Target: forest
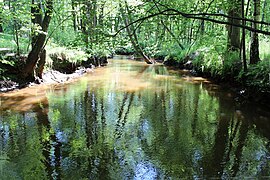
(134, 89)
(226, 40)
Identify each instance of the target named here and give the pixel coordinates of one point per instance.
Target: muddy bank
(7, 85)
(49, 77)
(54, 76)
(62, 68)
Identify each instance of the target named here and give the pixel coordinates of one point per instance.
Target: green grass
(72, 55)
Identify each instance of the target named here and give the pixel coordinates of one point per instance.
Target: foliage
(172, 51)
(264, 47)
(99, 51)
(67, 38)
(258, 76)
(124, 50)
(7, 41)
(71, 55)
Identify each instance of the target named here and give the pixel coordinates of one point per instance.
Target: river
(130, 120)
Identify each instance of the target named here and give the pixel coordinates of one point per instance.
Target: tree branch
(174, 12)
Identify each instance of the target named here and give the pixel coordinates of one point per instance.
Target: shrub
(68, 38)
(258, 75)
(72, 55)
(125, 50)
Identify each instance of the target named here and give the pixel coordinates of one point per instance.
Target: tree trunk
(202, 27)
(41, 64)
(244, 59)
(84, 22)
(254, 46)
(89, 23)
(1, 21)
(74, 17)
(168, 29)
(132, 35)
(95, 21)
(100, 38)
(263, 12)
(16, 36)
(101, 14)
(234, 42)
(33, 56)
(36, 18)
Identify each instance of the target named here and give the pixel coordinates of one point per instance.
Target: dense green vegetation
(226, 39)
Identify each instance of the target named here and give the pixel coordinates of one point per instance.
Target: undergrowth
(215, 60)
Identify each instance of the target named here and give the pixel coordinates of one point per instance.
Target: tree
(254, 45)
(36, 19)
(243, 48)
(126, 14)
(1, 19)
(234, 31)
(38, 47)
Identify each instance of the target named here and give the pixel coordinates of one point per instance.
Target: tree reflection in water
(132, 121)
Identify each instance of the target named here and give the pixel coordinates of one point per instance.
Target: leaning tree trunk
(254, 46)
(33, 56)
(132, 35)
(168, 29)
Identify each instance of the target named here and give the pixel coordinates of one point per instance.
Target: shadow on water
(132, 121)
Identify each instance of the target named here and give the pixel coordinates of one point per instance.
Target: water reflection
(132, 121)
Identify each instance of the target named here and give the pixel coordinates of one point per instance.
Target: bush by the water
(68, 60)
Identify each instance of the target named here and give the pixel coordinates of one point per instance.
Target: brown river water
(130, 120)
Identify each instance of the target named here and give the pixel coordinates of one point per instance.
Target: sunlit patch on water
(196, 79)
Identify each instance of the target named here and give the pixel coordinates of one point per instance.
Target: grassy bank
(59, 59)
(214, 61)
(11, 60)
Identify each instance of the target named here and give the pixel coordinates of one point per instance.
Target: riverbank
(49, 77)
(61, 65)
(52, 76)
(235, 80)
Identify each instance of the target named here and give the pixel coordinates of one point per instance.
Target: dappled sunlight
(128, 76)
(162, 77)
(193, 79)
(119, 75)
(118, 80)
